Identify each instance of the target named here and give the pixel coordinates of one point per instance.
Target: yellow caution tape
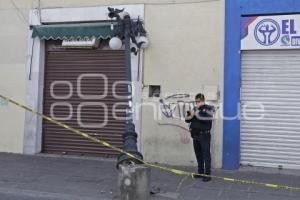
(168, 169)
(229, 179)
(271, 185)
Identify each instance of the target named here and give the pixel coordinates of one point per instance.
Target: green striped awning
(73, 31)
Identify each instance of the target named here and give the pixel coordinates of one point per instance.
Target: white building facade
(185, 57)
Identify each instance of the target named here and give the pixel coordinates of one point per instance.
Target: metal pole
(130, 136)
(134, 180)
(127, 26)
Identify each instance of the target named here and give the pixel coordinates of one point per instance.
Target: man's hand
(189, 115)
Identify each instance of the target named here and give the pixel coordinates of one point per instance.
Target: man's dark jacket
(202, 120)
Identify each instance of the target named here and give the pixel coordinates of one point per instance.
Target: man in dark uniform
(200, 120)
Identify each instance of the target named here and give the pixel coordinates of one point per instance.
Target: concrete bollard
(134, 182)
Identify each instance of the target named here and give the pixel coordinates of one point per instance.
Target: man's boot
(206, 178)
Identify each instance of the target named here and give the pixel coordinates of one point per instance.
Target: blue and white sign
(270, 32)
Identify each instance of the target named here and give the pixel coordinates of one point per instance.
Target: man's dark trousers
(202, 150)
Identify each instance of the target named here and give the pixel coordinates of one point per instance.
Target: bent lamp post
(127, 31)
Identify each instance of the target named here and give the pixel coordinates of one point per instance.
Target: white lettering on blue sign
(296, 41)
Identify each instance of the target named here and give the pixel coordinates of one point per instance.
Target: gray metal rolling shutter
(270, 79)
(63, 67)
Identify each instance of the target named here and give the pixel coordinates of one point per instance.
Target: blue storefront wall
(235, 9)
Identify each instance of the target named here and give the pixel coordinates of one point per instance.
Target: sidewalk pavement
(47, 177)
